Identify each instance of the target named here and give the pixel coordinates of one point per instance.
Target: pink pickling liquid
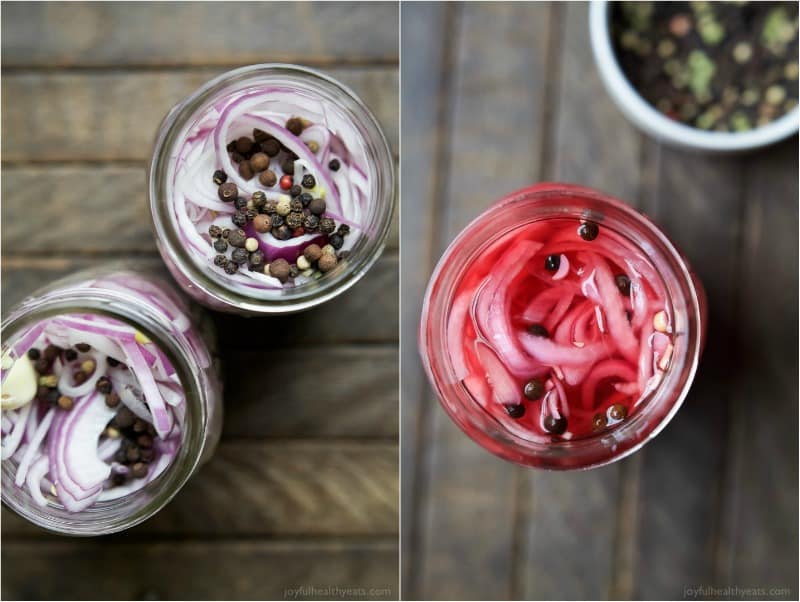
(601, 322)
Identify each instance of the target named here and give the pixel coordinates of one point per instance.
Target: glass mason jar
(210, 287)
(191, 349)
(685, 298)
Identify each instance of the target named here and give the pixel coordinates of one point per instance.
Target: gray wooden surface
(303, 491)
(497, 96)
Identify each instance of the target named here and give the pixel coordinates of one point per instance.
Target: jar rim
(109, 517)
(584, 452)
(368, 247)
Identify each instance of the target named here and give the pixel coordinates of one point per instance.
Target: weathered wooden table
(303, 490)
(498, 96)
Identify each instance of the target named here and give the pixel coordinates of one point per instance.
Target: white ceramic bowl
(649, 119)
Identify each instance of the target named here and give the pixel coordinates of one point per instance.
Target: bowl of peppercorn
(707, 76)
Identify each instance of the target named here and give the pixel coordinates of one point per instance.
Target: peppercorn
(214, 231)
(50, 380)
(317, 206)
(533, 389)
(220, 177)
(220, 261)
(277, 221)
(112, 400)
(279, 269)
(336, 241)
(327, 262)
(309, 181)
(284, 206)
(132, 454)
(236, 157)
(554, 425)
(65, 402)
(34, 354)
(286, 182)
(237, 238)
(246, 170)
(617, 411)
(104, 385)
(244, 145)
(225, 233)
(334, 165)
(240, 203)
(239, 218)
(294, 220)
(271, 147)
(288, 167)
(552, 263)
(228, 192)
(79, 377)
(70, 355)
(146, 455)
(268, 178)
(538, 330)
(296, 205)
(295, 190)
(52, 396)
(623, 284)
(260, 136)
(239, 256)
(313, 146)
(231, 146)
(588, 231)
(295, 126)
(82, 347)
(282, 232)
(343, 230)
(42, 366)
(259, 161)
(256, 261)
(259, 199)
(311, 222)
(327, 225)
(124, 417)
(250, 214)
(306, 199)
(88, 366)
(51, 352)
(231, 267)
(599, 422)
(139, 470)
(515, 410)
(302, 263)
(312, 252)
(328, 250)
(270, 207)
(220, 246)
(262, 223)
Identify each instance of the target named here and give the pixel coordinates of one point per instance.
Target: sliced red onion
(11, 442)
(33, 447)
(33, 480)
(65, 382)
(563, 268)
(504, 389)
(161, 418)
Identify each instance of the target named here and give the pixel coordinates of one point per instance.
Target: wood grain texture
(112, 569)
(51, 34)
(114, 116)
(468, 515)
(275, 489)
(116, 191)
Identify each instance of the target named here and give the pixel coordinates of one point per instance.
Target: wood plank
(759, 533)
(426, 39)
(265, 489)
(467, 521)
(563, 509)
(353, 393)
(112, 569)
(51, 34)
(63, 187)
(699, 201)
(114, 116)
(365, 314)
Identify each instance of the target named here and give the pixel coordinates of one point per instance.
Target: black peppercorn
(240, 203)
(336, 241)
(295, 126)
(220, 261)
(231, 267)
(271, 147)
(295, 190)
(214, 231)
(220, 177)
(305, 198)
(228, 192)
(538, 330)
(147, 454)
(125, 418)
(515, 411)
(42, 366)
(552, 263)
(554, 425)
(623, 284)
(259, 199)
(317, 206)
(588, 231)
(294, 220)
(334, 165)
(282, 232)
(309, 181)
(220, 246)
(71, 355)
(296, 205)
(271, 207)
(277, 221)
(344, 229)
(288, 167)
(250, 214)
(255, 260)
(237, 238)
(294, 271)
(533, 389)
(34, 354)
(104, 385)
(51, 352)
(311, 222)
(327, 225)
(239, 256)
(239, 218)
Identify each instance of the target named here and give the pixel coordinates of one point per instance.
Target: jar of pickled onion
(271, 190)
(567, 333)
(110, 400)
